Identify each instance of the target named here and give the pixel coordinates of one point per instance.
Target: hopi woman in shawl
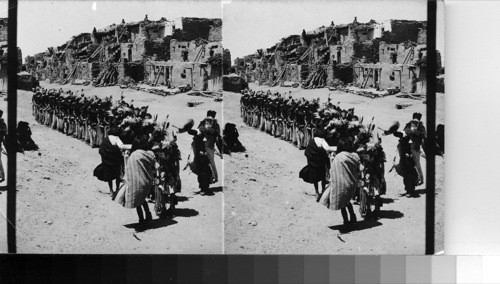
(111, 160)
(344, 179)
(318, 162)
(138, 179)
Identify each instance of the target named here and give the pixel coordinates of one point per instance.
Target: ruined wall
(367, 51)
(211, 49)
(364, 35)
(215, 34)
(195, 28)
(403, 30)
(3, 29)
(133, 70)
(422, 35)
(156, 31)
(83, 71)
(346, 52)
(390, 51)
(293, 73)
(183, 51)
(184, 73)
(226, 61)
(330, 75)
(151, 70)
(214, 78)
(406, 78)
(134, 31)
(279, 61)
(159, 48)
(174, 73)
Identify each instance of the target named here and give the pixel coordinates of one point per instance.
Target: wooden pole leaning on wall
(11, 125)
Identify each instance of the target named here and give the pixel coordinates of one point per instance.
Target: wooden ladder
(305, 54)
(280, 76)
(71, 74)
(365, 81)
(96, 52)
(409, 55)
(199, 55)
(157, 78)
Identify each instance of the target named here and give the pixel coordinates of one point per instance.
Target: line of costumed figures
(342, 152)
(138, 154)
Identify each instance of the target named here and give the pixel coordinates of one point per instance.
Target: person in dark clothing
(24, 136)
(318, 162)
(201, 163)
(231, 141)
(406, 167)
(111, 160)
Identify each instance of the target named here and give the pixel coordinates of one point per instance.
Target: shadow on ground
(358, 226)
(185, 212)
(217, 189)
(210, 191)
(153, 224)
(390, 214)
(182, 198)
(387, 200)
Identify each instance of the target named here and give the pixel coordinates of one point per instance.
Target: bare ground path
(269, 209)
(62, 208)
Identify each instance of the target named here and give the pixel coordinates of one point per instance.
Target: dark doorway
(339, 54)
(394, 57)
(130, 55)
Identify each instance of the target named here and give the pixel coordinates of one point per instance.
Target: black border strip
(430, 197)
(11, 125)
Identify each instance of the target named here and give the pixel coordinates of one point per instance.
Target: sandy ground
(62, 208)
(270, 210)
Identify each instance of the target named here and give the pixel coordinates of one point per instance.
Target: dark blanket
(317, 163)
(112, 160)
(231, 140)
(24, 136)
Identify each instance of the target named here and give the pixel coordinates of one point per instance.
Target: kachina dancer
(168, 157)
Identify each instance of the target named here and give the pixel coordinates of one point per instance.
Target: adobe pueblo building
(387, 57)
(172, 53)
(4, 23)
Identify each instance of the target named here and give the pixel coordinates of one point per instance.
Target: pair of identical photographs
(283, 80)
